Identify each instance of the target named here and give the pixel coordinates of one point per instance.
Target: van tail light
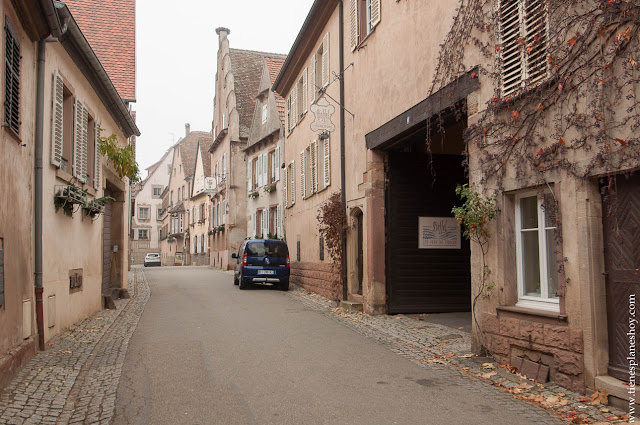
(288, 261)
(244, 260)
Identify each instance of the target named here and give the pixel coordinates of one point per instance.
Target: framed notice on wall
(438, 233)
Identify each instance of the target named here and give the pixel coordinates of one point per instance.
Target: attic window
(524, 44)
(264, 113)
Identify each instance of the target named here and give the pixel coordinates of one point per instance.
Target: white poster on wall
(438, 233)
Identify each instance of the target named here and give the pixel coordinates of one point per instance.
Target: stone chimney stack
(222, 33)
(187, 129)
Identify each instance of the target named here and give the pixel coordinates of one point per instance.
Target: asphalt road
(205, 352)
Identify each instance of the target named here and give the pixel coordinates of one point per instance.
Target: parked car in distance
(152, 259)
(262, 261)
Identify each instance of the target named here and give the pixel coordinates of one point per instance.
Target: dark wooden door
(106, 245)
(424, 280)
(622, 264)
(360, 251)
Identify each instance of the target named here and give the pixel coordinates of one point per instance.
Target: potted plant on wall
(67, 196)
(254, 194)
(95, 207)
(270, 188)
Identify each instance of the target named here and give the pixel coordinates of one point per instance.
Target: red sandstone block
(574, 383)
(543, 374)
(577, 343)
(500, 345)
(557, 336)
(490, 324)
(510, 327)
(530, 369)
(569, 363)
(532, 332)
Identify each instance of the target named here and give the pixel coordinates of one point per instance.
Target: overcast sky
(176, 47)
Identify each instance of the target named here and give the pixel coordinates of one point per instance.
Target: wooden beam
(386, 135)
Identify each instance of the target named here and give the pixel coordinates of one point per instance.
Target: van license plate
(266, 272)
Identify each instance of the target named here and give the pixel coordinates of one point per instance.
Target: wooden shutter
(312, 78)
(224, 166)
(279, 221)
(303, 187)
(259, 171)
(327, 163)
(57, 122)
(325, 60)
(285, 194)
(97, 163)
(276, 162)
(265, 220)
(353, 21)
(294, 106)
(254, 224)
(511, 49)
(249, 175)
(224, 212)
(80, 142)
(314, 166)
(12, 77)
(288, 113)
(293, 182)
(536, 30)
(375, 13)
(305, 90)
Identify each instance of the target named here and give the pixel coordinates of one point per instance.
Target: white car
(152, 259)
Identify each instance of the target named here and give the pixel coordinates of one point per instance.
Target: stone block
(500, 345)
(532, 332)
(557, 336)
(543, 374)
(490, 324)
(517, 363)
(574, 383)
(577, 342)
(510, 327)
(569, 363)
(530, 369)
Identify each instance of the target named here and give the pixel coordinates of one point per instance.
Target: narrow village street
(204, 352)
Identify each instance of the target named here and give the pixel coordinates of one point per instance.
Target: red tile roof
(247, 66)
(274, 65)
(188, 150)
(109, 27)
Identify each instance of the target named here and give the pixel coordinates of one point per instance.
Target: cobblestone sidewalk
(447, 350)
(76, 378)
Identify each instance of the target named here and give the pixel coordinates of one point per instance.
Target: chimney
(222, 33)
(187, 129)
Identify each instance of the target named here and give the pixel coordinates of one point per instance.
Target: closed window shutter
(265, 229)
(254, 224)
(314, 166)
(375, 13)
(265, 167)
(294, 106)
(327, 163)
(353, 21)
(289, 113)
(325, 60)
(510, 49)
(57, 128)
(305, 90)
(276, 163)
(293, 182)
(312, 78)
(224, 166)
(12, 59)
(285, 192)
(279, 221)
(537, 38)
(98, 165)
(80, 142)
(303, 181)
(250, 176)
(259, 171)
(224, 212)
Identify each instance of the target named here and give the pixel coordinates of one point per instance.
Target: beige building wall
(199, 212)
(77, 242)
(178, 186)
(17, 314)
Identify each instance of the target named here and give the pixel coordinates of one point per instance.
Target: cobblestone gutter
(76, 378)
(447, 351)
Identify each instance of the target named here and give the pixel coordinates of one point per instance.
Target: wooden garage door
(424, 280)
(622, 263)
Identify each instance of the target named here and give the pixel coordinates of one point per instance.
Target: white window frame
(543, 302)
(140, 231)
(148, 213)
(264, 114)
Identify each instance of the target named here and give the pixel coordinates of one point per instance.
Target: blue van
(262, 261)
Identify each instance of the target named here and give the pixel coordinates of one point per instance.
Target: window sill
(68, 178)
(13, 133)
(531, 312)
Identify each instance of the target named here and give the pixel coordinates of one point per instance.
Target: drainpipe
(38, 190)
(342, 144)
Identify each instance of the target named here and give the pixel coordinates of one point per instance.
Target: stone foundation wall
(15, 358)
(321, 278)
(556, 346)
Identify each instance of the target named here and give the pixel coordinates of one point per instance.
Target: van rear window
(267, 249)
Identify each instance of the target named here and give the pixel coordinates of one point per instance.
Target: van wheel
(242, 284)
(284, 286)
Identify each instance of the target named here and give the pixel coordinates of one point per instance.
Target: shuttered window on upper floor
(12, 60)
(524, 33)
(364, 15)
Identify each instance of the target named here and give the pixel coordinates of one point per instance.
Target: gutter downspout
(56, 31)
(342, 147)
(38, 190)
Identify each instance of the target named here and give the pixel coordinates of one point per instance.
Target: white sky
(176, 47)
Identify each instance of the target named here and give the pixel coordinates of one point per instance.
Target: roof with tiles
(246, 66)
(109, 27)
(274, 65)
(188, 149)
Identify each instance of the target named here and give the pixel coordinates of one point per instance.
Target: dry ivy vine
(332, 223)
(582, 121)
